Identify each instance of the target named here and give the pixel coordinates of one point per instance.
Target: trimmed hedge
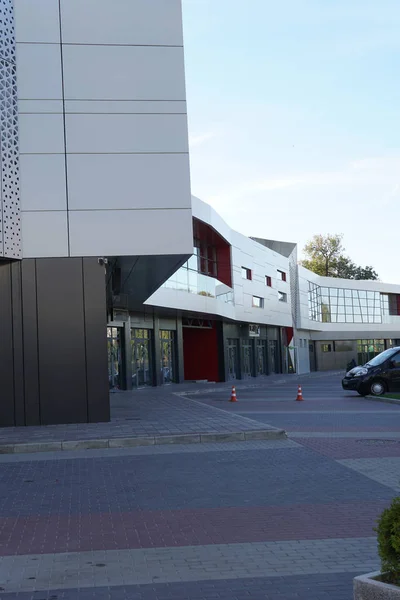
(388, 530)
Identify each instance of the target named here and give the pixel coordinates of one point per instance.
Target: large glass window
(141, 357)
(114, 357)
(199, 276)
(167, 347)
(368, 349)
(337, 305)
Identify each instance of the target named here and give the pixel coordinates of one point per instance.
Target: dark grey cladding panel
(31, 357)
(53, 351)
(142, 276)
(284, 248)
(7, 416)
(61, 340)
(10, 219)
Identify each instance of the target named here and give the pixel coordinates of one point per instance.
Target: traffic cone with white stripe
(233, 394)
(299, 395)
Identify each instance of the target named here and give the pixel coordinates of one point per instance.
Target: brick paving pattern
(353, 448)
(290, 519)
(145, 414)
(301, 587)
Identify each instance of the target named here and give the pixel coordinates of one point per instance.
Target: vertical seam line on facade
(64, 126)
(37, 344)
(85, 338)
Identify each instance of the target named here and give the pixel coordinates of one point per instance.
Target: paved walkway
(289, 519)
(144, 417)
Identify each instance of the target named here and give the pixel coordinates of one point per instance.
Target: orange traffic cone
(233, 394)
(299, 395)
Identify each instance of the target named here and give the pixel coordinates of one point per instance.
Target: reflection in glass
(188, 280)
(336, 305)
(141, 357)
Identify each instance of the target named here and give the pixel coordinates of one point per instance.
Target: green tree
(322, 253)
(325, 256)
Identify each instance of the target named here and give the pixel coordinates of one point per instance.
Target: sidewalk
(141, 418)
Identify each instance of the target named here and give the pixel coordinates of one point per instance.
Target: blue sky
(294, 119)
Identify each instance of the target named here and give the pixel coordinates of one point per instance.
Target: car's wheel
(378, 388)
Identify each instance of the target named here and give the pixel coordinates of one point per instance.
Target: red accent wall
(206, 235)
(200, 354)
(224, 264)
(289, 335)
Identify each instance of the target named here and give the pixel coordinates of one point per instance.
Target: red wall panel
(200, 352)
(224, 264)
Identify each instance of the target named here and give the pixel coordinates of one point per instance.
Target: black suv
(378, 376)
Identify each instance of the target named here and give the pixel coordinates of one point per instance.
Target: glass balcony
(192, 282)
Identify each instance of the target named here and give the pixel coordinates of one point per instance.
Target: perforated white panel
(10, 219)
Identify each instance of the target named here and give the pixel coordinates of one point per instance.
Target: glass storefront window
(368, 349)
(167, 348)
(114, 358)
(142, 372)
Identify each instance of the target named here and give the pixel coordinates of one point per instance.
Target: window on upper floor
(268, 281)
(282, 275)
(282, 297)
(205, 258)
(246, 273)
(339, 305)
(258, 302)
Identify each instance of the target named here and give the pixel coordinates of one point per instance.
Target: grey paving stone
(84, 445)
(228, 561)
(131, 442)
(385, 471)
(222, 437)
(178, 439)
(37, 447)
(181, 480)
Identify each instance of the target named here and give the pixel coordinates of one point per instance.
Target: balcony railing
(193, 282)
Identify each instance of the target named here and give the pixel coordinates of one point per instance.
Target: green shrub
(389, 541)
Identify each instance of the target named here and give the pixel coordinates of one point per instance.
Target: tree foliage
(325, 256)
(389, 542)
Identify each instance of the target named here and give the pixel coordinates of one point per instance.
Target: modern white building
(111, 275)
(242, 308)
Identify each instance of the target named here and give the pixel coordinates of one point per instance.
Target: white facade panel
(126, 106)
(123, 22)
(95, 134)
(39, 71)
(37, 21)
(127, 181)
(125, 119)
(40, 106)
(43, 184)
(155, 73)
(44, 234)
(130, 232)
(168, 298)
(41, 134)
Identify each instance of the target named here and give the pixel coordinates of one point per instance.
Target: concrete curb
(133, 442)
(384, 399)
(366, 587)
